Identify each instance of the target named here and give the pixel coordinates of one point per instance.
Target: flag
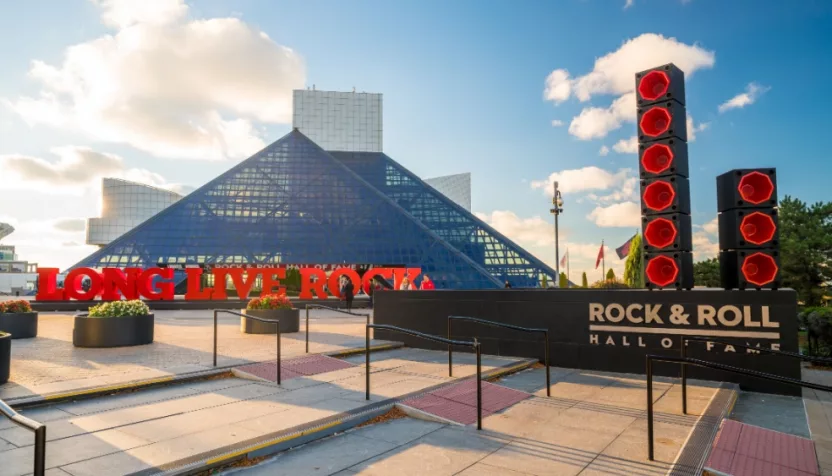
(600, 255)
(563, 260)
(623, 250)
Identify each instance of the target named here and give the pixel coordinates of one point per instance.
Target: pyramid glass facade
(294, 203)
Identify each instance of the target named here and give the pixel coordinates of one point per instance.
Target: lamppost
(557, 201)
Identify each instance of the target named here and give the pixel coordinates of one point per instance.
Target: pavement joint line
(277, 440)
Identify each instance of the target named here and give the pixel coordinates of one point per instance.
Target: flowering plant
(120, 309)
(15, 307)
(270, 301)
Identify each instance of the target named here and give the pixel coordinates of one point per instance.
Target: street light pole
(557, 201)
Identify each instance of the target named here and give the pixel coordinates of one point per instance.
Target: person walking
(348, 292)
(508, 285)
(427, 284)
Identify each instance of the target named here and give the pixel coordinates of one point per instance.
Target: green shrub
(120, 309)
(15, 307)
(818, 324)
(270, 301)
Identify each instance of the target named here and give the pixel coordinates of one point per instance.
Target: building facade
(125, 205)
(457, 187)
(339, 121)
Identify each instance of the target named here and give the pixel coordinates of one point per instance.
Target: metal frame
(506, 326)
(714, 366)
(39, 429)
(475, 344)
(318, 306)
(806, 358)
(276, 322)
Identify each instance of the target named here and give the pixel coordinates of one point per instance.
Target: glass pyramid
(294, 203)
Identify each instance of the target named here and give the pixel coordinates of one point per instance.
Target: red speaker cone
(655, 122)
(662, 270)
(756, 187)
(757, 228)
(657, 158)
(658, 195)
(653, 85)
(759, 269)
(660, 233)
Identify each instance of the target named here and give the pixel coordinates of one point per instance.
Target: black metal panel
(763, 318)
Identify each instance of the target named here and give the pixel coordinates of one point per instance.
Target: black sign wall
(613, 330)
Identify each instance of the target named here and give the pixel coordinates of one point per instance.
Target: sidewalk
(819, 413)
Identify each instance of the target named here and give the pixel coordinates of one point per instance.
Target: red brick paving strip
(746, 450)
(459, 402)
(297, 367)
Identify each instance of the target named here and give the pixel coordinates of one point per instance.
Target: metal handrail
(710, 365)
(506, 326)
(318, 306)
(276, 322)
(806, 358)
(39, 430)
(475, 344)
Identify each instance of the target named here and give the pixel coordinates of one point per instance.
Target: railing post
(307, 328)
(649, 408)
(215, 337)
(684, 377)
(479, 384)
(367, 363)
(278, 351)
(546, 353)
(40, 450)
(450, 352)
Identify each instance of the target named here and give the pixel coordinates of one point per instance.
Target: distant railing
(806, 358)
(318, 306)
(276, 322)
(475, 344)
(710, 365)
(545, 333)
(40, 435)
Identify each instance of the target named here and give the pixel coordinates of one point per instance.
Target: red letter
(366, 282)
(48, 289)
(270, 282)
(116, 280)
(307, 285)
(243, 286)
(220, 282)
(335, 277)
(195, 290)
(74, 282)
(165, 288)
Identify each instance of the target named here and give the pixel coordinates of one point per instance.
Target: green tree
(806, 248)
(584, 281)
(634, 266)
(563, 281)
(545, 282)
(610, 275)
(706, 273)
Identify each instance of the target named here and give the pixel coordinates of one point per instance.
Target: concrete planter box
(289, 321)
(5, 357)
(112, 331)
(21, 325)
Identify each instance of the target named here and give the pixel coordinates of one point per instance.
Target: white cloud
(46, 243)
(627, 191)
(557, 123)
(752, 92)
(693, 129)
(627, 146)
(178, 88)
(614, 73)
(582, 180)
(75, 170)
(712, 226)
(625, 214)
(529, 231)
(604, 151)
(628, 4)
(70, 224)
(704, 246)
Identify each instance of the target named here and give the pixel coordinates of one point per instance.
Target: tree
(584, 282)
(563, 281)
(806, 248)
(610, 275)
(706, 273)
(609, 283)
(545, 282)
(634, 266)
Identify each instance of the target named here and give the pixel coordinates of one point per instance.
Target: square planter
(21, 325)
(112, 331)
(289, 321)
(5, 357)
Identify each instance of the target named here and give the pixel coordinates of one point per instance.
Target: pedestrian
(427, 284)
(508, 284)
(348, 292)
(405, 285)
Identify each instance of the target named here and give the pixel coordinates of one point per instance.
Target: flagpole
(603, 262)
(567, 266)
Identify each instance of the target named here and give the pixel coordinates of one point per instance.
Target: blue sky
(463, 86)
